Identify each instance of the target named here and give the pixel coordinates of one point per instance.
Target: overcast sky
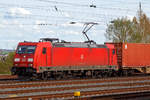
(31, 20)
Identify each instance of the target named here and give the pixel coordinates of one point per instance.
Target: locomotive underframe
(75, 73)
(61, 72)
(65, 72)
(65, 68)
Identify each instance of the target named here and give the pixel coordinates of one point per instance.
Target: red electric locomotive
(51, 58)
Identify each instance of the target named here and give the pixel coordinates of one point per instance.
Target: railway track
(36, 90)
(4, 78)
(7, 76)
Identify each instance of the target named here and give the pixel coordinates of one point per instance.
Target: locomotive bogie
(23, 71)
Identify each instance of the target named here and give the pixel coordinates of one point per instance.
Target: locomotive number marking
(82, 56)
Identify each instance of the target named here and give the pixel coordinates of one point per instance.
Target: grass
(5, 65)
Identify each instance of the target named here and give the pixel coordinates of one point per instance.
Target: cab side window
(44, 51)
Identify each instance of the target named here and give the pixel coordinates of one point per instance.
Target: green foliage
(119, 30)
(131, 31)
(6, 64)
(142, 23)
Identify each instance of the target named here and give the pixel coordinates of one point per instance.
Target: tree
(142, 26)
(119, 30)
(125, 30)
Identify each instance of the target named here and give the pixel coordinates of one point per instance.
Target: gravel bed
(64, 81)
(73, 90)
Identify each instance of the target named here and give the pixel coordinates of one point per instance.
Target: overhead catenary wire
(82, 13)
(50, 24)
(84, 5)
(62, 20)
(63, 4)
(32, 16)
(52, 6)
(48, 9)
(47, 16)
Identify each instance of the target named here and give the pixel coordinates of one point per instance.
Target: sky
(30, 20)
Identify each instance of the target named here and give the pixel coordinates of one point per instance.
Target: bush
(6, 64)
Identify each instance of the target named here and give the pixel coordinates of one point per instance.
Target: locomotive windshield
(26, 49)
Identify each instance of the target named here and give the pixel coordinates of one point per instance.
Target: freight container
(133, 55)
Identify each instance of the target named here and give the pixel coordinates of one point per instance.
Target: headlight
(17, 59)
(30, 59)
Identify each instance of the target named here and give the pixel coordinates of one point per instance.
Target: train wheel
(104, 75)
(44, 76)
(58, 77)
(115, 74)
(99, 75)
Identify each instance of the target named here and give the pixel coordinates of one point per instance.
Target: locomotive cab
(30, 56)
(24, 58)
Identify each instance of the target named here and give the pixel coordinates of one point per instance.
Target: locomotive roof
(56, 43)
(87, 44)
(79, 44)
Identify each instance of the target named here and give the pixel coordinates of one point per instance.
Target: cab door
(44, 57)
